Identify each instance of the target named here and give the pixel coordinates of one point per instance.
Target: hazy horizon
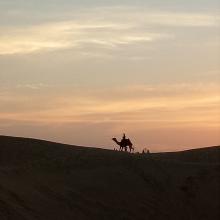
(82, 72)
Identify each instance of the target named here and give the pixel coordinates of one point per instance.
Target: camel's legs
(131, 149)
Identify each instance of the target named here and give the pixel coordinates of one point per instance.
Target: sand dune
(45, 180)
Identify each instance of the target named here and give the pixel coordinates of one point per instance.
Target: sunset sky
(84, 71)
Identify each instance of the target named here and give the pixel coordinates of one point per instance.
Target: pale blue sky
(23, 11)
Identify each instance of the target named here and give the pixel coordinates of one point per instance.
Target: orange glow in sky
(81, 73)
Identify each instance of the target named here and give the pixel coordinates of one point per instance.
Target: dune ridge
(46, 180)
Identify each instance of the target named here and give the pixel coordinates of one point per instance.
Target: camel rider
(124, 137)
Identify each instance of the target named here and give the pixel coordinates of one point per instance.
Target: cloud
(182, 19)
(33, 86)
(105, 28)
(163, 105)
(63, 35)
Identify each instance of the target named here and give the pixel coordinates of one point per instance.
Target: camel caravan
(124, 144)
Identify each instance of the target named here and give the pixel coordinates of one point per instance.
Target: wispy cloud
(110, 29)
(61, 35)
(173, 105)
(32, 86)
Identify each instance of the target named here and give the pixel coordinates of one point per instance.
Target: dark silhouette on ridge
(124, 143)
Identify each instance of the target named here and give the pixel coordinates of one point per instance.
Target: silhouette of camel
(124, 144)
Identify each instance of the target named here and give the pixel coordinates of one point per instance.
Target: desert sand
(45, 180)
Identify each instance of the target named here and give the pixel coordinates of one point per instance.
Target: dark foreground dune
(44, 180)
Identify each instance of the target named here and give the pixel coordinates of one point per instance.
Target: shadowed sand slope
(45, 180)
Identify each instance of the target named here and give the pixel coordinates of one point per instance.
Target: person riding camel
(124, 143)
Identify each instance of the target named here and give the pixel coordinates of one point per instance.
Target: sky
(84, 71)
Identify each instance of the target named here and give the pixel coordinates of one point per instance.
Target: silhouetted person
(124, 137)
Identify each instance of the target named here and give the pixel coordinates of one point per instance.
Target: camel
(124, 144)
